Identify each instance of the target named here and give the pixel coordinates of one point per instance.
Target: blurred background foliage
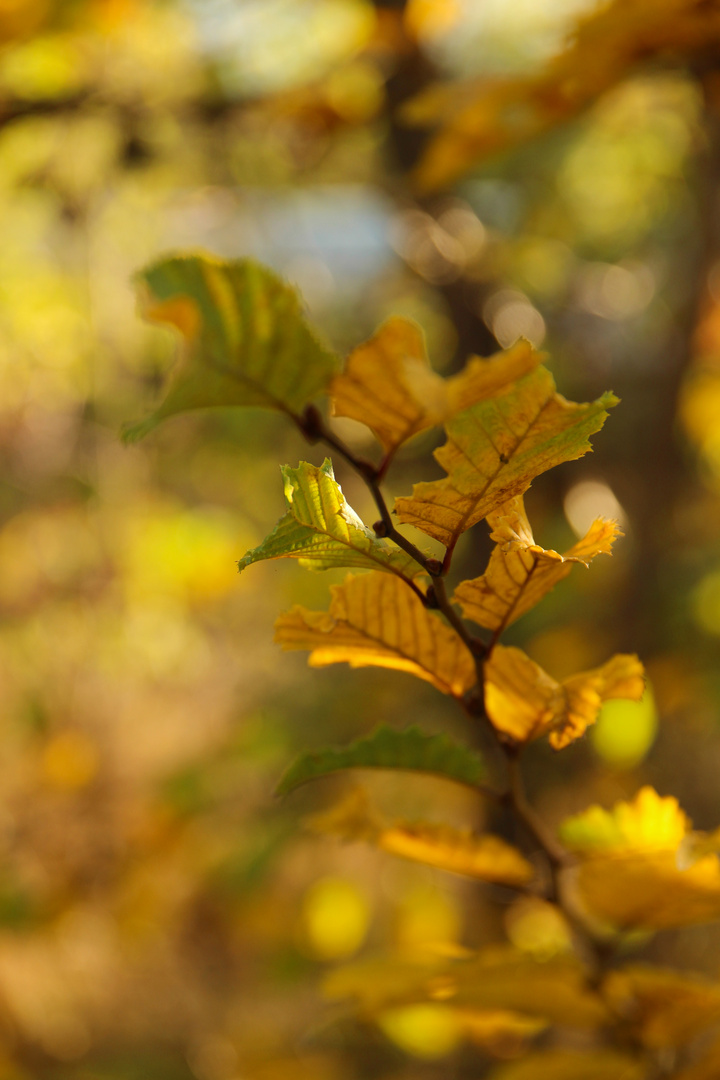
(160, 914)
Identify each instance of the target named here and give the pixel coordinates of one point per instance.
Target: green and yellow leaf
(389, 386)
(377, 620)
(387, 748)
(628, 876)
(520, 573)
(523, 702)
(496, 449)
(484, 857)
(245, 339)
(553, 990)
(322, 531)
(666, 1008)
(558, 1064)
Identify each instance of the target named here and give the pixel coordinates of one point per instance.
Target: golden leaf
(628, 875)
(524, 702)
(553, 990)
(479, 117)
(495, 449)
(485, 857)
(389, 386)
(520, 572)
(665, 1007)
(375, 619)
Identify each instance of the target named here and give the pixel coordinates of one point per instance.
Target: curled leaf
(245, 338)
(322, 531)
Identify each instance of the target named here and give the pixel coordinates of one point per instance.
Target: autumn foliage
(633, 869)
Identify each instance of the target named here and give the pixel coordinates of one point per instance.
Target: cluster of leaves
(637, 868)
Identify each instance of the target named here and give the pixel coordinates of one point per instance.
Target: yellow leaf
(524, 702)
(628, 875)
(553, 990)
(485, 857)
(665, 1007)
(375, 619)
(479, 117)
(520, 572)
(495, 449)
(389, 386)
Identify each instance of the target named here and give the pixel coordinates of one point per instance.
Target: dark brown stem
(314, 429)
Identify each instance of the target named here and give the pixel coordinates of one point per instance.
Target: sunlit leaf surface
(628, 876)
(495, 450)
(387, 748)
(375, 619)
(388, 383)
(322, 531)
(520, 572)
(245, 339)
(524, 702)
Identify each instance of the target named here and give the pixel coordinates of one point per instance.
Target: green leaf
(387, 748)
(245, 339)
(323, 532)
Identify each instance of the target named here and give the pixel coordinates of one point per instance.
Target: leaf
(484, 857)
(323, 532)
(524, 702)
(558, 1064)
(628, 876)
(520, 572)
(480, 117)
(706, 1067)
(387, 748)
(389, 386)
(554, 990)
(246, 341)
(376, 619)
(665, 1008)
(494, 451)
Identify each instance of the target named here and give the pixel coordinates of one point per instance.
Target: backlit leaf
(628, 875)
(387, 748)
(553, 990)
(245, 339)
(524, 702)
(389, 386)
(322, 531)
(557, 1064)
(485, 857)
(495, 450)
(665, 1007)
(376, 619)
(520, 572)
